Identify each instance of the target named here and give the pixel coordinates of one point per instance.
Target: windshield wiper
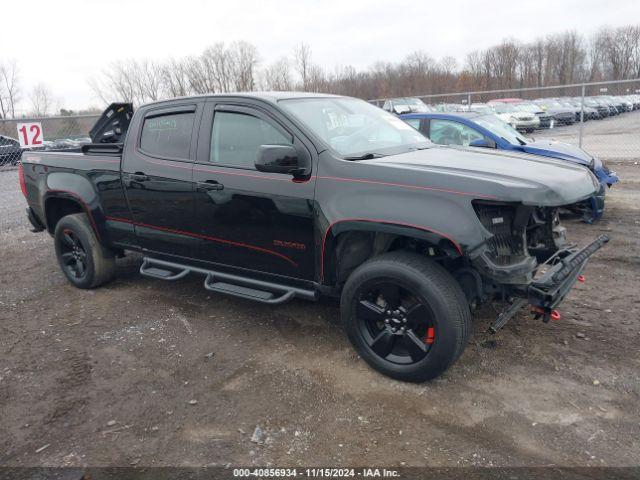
(365, 156)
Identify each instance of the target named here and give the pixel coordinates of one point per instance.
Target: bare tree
(277, 76)
(41, 100)
(243, 58)
(175, 78)
(561, 58)
(9, 88)
(302, 59)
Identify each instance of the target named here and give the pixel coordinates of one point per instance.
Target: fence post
(468, 102)
(581, 116)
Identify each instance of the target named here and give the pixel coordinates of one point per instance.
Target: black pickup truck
(281, 195)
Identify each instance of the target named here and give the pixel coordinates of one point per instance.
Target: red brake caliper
(431, 335)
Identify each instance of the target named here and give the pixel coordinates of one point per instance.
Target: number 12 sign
(30, 134)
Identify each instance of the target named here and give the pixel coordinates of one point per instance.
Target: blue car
(474, 129)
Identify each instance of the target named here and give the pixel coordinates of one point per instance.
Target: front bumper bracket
(550, 289)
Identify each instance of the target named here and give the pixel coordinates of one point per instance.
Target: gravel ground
(151, 373)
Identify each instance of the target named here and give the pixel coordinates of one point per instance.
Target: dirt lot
(151, 373)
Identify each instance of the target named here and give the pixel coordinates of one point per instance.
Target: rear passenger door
(247, 219)
(157, 176)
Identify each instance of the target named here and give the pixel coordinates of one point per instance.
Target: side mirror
(279, 159)
(482, 142)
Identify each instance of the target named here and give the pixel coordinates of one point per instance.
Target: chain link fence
(57, 133)
(601, 117)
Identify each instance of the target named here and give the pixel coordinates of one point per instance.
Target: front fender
(445, 219)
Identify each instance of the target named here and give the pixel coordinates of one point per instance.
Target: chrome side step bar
(220, 282)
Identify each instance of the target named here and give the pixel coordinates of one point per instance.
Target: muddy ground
(142, 372)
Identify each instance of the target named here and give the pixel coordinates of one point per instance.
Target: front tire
(85, 263)
(406, 316)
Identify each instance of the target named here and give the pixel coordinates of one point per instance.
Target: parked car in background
(10, 151)
(520, 120)
(481, 108)
(470, 129)
(405, 105)
(613, 110)
(600, 107)
(561, 114)
(546, 119)
(589, 113)
(506, 100)
(627, 105)
(450, 107)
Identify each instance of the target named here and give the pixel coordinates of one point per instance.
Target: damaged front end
(526, 260)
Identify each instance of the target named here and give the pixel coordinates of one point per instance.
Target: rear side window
(236, 138)
(168, 135)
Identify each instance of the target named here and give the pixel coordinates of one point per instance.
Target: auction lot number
(30, 134)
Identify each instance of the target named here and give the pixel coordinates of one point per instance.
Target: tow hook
(546, 314)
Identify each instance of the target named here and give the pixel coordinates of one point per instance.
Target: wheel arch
(59, 203)
(391, 232)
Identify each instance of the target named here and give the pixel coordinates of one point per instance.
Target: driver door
(248, 219)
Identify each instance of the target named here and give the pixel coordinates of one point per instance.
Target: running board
(161, 273)
(220, 282)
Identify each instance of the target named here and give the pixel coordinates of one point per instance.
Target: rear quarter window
(167, 135)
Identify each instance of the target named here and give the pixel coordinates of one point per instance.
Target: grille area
(498, 219)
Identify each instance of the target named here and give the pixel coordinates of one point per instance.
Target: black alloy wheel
(394, 323)
(73, 255)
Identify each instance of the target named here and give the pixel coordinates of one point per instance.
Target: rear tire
(85, 263)
(420, 336)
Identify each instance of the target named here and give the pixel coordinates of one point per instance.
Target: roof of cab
(272, 97)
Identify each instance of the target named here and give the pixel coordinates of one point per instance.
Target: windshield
(501, 129)
(354, 127)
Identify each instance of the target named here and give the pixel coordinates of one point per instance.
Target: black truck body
(302, 218)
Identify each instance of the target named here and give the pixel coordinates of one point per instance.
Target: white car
(525, 121)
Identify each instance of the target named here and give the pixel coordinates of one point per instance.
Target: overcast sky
(65, 42)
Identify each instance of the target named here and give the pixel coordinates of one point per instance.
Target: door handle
(138, 177)
(209, 185)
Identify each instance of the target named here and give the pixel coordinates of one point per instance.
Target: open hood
(113, 124)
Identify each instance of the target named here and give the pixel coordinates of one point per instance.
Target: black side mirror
(483, 142)
(279, 159)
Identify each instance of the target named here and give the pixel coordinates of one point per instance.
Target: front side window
(354, 128)
(237, 137)
(168, 135)
(414, 122)
(447, 132)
